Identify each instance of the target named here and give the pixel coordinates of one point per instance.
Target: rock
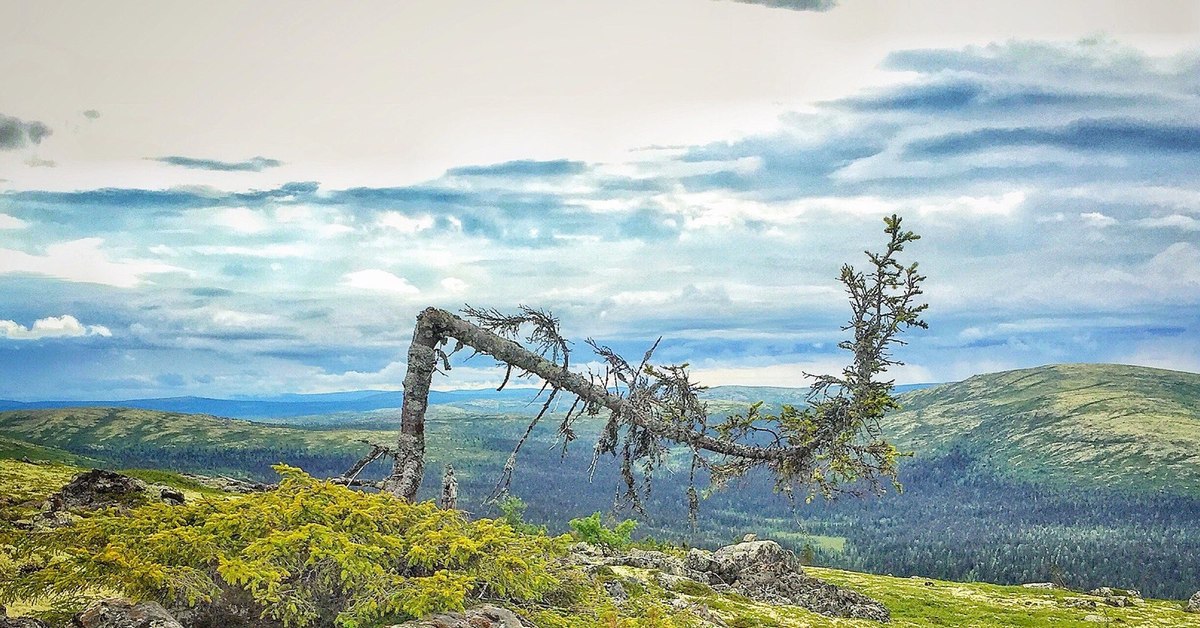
(754, 556)
(19, 622)
(1040, 585)
(1079, 602)
(750, 538)
(1095, 618)
(616, 591)
(700, 561)
(22, 622)
(486, 616)
(96, 489)
(1193, 605)
(171, 496)
(765, 571)
(1120, 601)
(1109, 592)
(121, 613)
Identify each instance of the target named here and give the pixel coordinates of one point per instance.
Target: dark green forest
(956, 519)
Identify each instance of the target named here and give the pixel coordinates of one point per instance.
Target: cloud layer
(1055, 186)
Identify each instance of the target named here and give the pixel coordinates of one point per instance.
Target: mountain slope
(1116, 426)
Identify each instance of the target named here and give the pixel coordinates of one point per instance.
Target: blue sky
(242, 199)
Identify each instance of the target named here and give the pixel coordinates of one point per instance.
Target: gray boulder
(121, 613)
(1193, 605)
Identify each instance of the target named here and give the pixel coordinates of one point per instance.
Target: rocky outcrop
(121, 613)
(761, 570)
(1119, 597)
(1193, 605)
(486, 616)
(96, 489)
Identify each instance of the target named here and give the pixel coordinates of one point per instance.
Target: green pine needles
(308, 554)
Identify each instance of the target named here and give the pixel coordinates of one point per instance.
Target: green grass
(1121, 427)
(979, 605)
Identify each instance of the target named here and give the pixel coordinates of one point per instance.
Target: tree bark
(435, 325)
(408, 467)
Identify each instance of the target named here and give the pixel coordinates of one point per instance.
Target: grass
(1117, 427)
(913, 602)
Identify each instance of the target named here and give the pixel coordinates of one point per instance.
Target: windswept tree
(833, 444)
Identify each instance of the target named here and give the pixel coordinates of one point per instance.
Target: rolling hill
(1073, 469)
(1090, 425)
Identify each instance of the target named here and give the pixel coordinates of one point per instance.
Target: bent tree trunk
(834, 440)
(435, 326)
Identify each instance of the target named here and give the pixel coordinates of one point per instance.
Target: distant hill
(1117, 426)
(286, 406)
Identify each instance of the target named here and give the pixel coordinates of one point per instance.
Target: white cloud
(404, 224)
(271, 251)
(379, 280)
(1002, 205)
(454, 284)
(65, 326)
(12, 222)
(1174, 221)
(233, 318)
(242, 220)
(83, 261)
(1097, 219)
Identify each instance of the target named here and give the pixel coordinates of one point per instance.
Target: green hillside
(1088, 425)
(916, 602)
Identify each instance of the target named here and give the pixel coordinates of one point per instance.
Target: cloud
(379, 281)
(16, 133)
(1097, 219)
(241, 220)
(65, 326)
(12, 222)
(82, 260)
(405, 224)
(1113, 134)
(795, 5)
(454, 285)
(1174, 221)
(254, 164)
(522, 168)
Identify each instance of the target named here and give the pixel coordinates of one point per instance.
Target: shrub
(308, 553)
(591, 530)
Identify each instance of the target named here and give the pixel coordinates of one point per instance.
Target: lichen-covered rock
(761, 570)
(755, 557)
(1193, 605)
(1112, 592)
(121, 613)
(96, 489)
(486, 616)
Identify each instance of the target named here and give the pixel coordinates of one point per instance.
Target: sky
(226, 198)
